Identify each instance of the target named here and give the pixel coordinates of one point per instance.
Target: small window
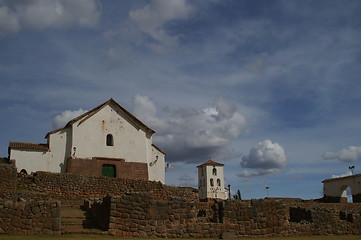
(110, 141)
(214, 171)
(211, 182)
(218, 182)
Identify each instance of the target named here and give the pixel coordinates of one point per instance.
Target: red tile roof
(35, 146)
(210, 162)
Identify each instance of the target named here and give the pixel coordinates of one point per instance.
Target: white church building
(105, 141)
(211, 180)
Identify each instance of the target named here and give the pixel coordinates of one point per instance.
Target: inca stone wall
(29, 217)
(314, 218)
(59, 185)
(140, 215)
(8, 176)
(151, 209)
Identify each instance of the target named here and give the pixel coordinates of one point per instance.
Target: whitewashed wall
(89, 137)
(337, 187)
(204, 179)
(156, 168)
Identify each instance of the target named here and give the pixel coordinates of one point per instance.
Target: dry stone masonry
(140, 215)
(137, 208)
(66, 185)
(30, 217)
(8, 176)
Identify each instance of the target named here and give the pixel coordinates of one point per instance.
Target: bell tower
(211, 180)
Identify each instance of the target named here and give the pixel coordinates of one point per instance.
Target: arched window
(214, 171)
(110, 141)
(211, 182)
(218, 182)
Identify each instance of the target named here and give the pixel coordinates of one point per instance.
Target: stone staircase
(76, 220)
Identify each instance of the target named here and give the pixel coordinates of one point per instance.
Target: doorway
(109, 170)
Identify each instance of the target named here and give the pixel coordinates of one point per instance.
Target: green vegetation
(106, 237)
(237, 195)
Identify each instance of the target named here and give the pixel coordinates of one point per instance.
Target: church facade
(105, 141)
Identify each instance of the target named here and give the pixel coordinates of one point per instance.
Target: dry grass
(101, 237)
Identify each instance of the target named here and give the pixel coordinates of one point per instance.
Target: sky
(269, 88)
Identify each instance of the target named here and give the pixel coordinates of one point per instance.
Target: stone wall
(8, 176)
(29, 217)
(312, 218)
(140, 215)
(60, 185)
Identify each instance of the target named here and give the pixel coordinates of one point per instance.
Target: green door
(108, 170)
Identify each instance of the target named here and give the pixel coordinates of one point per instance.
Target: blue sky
(269, 88)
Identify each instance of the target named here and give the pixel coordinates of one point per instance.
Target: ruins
(60, 203)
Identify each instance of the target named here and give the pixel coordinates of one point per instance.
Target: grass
(102, 237)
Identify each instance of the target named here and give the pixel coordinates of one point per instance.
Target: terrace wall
(140, 215)
(29, 216)
(66, 185)
(8, 176)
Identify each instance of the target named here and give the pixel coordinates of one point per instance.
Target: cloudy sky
(269, 88)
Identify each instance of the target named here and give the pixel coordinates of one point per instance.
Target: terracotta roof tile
(210, 162)
(35, 146)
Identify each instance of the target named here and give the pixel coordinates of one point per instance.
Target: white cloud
(43, 14)
(144, 108)
(349, 154)
(63, 118)
(265, 158)
(349, 173)
(151, 18)
(193, 135)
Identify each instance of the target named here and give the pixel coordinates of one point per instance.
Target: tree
(237, 195)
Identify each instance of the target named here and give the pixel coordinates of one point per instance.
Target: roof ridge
(211, 162)
(97, 108)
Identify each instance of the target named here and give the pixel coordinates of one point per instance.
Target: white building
(334, 189)
(105, 141)
(211, 180)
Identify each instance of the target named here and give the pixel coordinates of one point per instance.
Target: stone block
(56, 224)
